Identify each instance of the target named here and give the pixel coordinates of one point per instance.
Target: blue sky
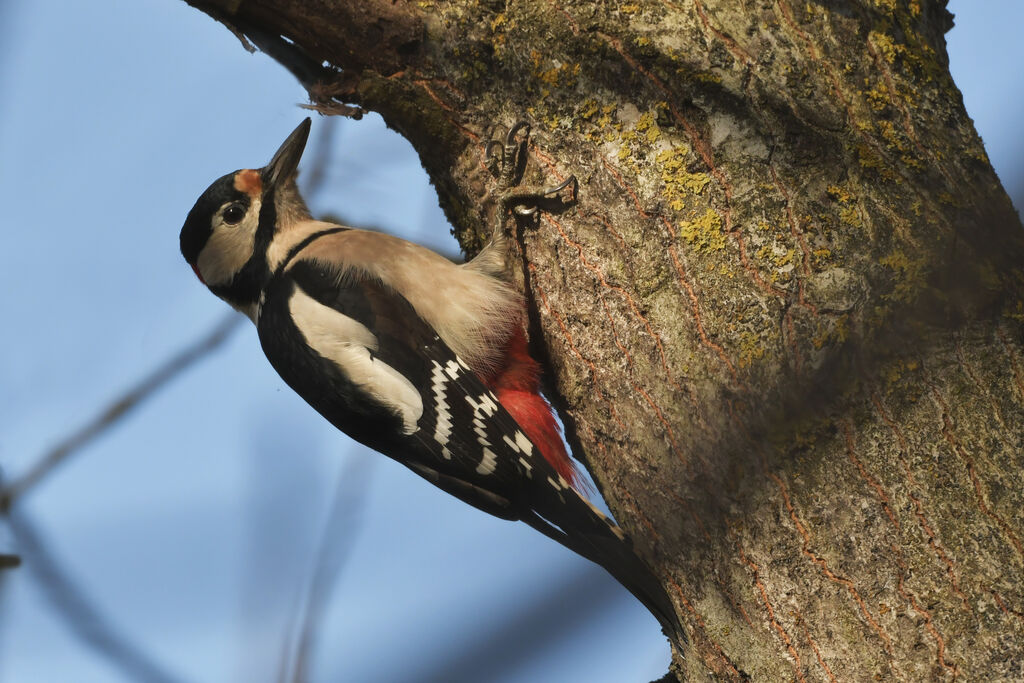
(193, 524)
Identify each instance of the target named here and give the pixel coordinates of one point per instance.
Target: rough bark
(784, 319)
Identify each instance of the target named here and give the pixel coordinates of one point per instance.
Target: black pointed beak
(286, 159)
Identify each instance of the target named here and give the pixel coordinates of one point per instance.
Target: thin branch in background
(564, 605)
(9, 561)
(81, 616)
(119, 408)
(339, 536)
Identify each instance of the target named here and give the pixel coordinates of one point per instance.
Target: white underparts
(473, 311)
(348, 344)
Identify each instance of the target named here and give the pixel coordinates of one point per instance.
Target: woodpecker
(410, 354)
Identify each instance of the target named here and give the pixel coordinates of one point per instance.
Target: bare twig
(81, 616)
(115, 411)
(9, 561)
(550, 615)
(339, 535)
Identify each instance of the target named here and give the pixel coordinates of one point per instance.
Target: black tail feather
(603, 547)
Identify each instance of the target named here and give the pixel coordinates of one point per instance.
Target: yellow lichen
(908, 279)
(647, 124)
(680, 184)
(750, 349)
(587, 109)
(878, 97)
(831, 332)
(850, 216)
(704, 234)
(839, 194)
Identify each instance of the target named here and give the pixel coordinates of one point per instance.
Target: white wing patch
(438, 382)
(484, 406)
(348, 343)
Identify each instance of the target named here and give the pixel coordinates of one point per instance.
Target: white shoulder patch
(348, 343)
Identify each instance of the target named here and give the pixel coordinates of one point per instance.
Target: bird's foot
(506, 159)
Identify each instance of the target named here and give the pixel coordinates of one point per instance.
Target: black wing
(462, 439)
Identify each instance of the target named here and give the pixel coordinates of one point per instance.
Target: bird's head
(228, 231)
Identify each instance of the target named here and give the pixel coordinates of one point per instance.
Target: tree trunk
(784, 319)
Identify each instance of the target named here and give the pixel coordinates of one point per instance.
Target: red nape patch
(517, 386)
(249, 182)
(195, 269)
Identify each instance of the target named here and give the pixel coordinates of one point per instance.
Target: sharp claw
(494, 162)
(510, 138)
(503, 159)
(491, 146)
(571, 180)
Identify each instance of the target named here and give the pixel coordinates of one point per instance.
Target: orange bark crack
(733, 47)
(625, 249)
(787, 16)
(1003, 607)
(615, 335)
(801, 239)
(695, 307)
(682, 501)
(648, 524)
(947, 432)
(703, 627)
(572, 345)
(1018, 380)
(449, 110)
(736, 605)
(695, 303)
(573, 25)
(961, 452)
(823, 564)
(922, 521)
(965, 365)
(872, 482)
(664, 361)
(794, 348)
(817, 652)
(925, 614)
(599, 276)
(771, 612)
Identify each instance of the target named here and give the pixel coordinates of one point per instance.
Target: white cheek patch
(229, 247)
(348, 344)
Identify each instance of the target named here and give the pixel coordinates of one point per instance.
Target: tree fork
(784, 318)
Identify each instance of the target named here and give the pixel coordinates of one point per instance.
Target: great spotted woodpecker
(414, 356)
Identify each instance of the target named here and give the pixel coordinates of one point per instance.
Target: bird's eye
(233, 214)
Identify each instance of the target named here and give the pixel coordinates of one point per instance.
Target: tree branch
(119, 408)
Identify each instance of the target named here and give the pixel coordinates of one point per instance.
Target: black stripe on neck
(294, 251)
(247, 284)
